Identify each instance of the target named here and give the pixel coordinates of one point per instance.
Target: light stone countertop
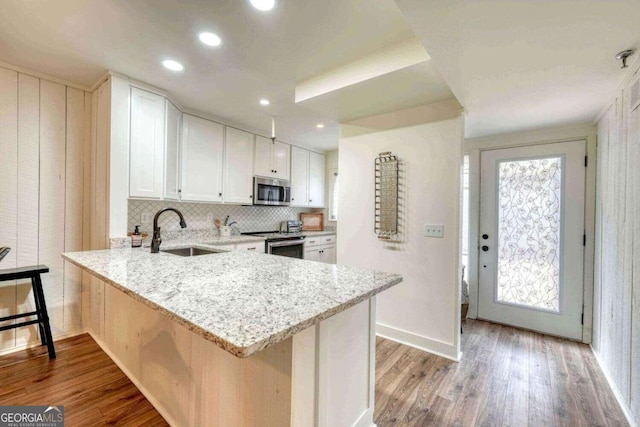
(240, 300)
(319, 233)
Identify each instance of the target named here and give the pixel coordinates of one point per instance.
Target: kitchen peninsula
(239, 338)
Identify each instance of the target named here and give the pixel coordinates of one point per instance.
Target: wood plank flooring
(92, 389)
(508, 377)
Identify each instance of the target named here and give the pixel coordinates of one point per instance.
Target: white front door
(532, 237)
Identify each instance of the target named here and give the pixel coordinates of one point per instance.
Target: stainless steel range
(283, 244)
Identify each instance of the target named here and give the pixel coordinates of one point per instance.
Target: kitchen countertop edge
(241, 352)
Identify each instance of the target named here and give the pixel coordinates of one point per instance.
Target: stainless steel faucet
(156, 240)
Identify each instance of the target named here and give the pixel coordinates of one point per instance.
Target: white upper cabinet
(271, 159)
(262, 161)
(146, 162)
(238, 167)
(281, 155)
(299, 176)
(172, 152)
(316, 180)
(307, 178)
(202, 159)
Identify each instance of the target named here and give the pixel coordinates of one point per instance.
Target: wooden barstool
(33, 273)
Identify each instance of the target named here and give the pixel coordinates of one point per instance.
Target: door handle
(485, 248)
(485, 236)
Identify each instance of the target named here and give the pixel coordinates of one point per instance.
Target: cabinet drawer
(253, 246)
(321, 240)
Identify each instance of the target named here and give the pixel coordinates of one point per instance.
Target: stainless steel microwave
(271, 192)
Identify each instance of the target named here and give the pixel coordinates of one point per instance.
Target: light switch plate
(434, 230)
(210, 217)
(145, 217)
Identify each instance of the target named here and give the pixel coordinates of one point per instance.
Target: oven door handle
(286, 243)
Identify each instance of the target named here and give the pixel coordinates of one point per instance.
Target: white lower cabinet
(321, 249)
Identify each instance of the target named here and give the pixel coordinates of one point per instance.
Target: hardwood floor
(92, 389)
(508, 377)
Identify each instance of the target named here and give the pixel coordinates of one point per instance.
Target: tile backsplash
(249, 218)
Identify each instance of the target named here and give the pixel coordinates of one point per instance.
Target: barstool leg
(45, 318)
(36, 299)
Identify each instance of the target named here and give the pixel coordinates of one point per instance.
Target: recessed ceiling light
(172, 65)
(209, 39)
(320, 125)
(264, 102)
(263, 4)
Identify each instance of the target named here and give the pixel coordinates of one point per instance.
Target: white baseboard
(420, 342)
(365, 419)
(621, 402)
(38, 343)
(154, 402)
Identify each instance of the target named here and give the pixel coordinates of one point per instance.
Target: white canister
(225, 231)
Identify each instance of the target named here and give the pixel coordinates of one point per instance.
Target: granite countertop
(240, 300)
(319, 233)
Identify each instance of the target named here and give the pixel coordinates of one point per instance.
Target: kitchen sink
(190, 251)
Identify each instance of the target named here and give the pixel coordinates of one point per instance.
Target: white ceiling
(412, 86)
(521, 65)
(514, 65)
(262, 55)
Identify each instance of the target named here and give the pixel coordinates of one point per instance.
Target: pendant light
(273, 129)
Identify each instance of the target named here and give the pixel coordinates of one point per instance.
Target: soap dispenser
(136, 238)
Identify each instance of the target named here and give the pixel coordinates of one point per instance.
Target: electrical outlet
(145, 217)
(434, 230)
(209, 217)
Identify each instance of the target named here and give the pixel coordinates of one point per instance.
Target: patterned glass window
(529, 227)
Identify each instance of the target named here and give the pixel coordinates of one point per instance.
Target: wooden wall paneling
(240, 392)
(609, 243)
(165, 349)
(99, 203)
(96, 304)
(8, 194)
(73, 227)
(267, 375)
(617, 268)
(191, 380)
(28, 194)
(634, 161)
(86, 201)
(52, 200)
(121, 335)
(602, 138)
(99, 229)
(609, 239)
(624, 261)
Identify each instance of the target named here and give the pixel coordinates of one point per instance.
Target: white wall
(616, 337)
(424, 310)
(44, 146)
(331, 165)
